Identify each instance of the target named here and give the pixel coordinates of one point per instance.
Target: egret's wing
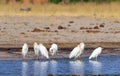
(99, 51)
(54, 51)
(44, 51)
(80, 51)
(91, 56)
(50, 49)
(24, 49)
(36, 49)
(74, 52)
(54, 46)
(40, 50)
(94, 53)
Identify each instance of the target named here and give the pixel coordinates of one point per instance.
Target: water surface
(106, 65)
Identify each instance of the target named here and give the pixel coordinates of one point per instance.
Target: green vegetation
(55, 1)
(74, 1)
(64, 1)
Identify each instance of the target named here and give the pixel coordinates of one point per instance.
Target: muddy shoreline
(15, 54)
(67, 45)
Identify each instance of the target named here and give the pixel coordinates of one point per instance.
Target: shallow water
(106, 65)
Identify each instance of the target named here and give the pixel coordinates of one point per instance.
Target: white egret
(77, 51)
(36, 49)
(24, 50)
(54, 49)
(43, 50)
(95, 53)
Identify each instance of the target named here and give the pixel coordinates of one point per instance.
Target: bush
(74, 1)
(55, 1)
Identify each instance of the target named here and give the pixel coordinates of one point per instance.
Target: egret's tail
(90, 57)
(47, 57)
(70, 56)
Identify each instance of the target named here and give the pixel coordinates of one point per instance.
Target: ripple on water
(106, 65)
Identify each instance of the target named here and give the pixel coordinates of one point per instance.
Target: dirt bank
(66, 31)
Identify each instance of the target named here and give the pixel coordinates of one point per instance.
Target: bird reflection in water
(53, 67)
(77, 67)
(40, 68)
(36, 68)
(96, 65)
(24, 68)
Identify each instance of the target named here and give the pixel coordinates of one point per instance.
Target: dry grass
(79, 9)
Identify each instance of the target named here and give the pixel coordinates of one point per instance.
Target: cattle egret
(54, 49)
(77, 51)
(36, 50)
(43, 50)
(24, 50)
(95, 53)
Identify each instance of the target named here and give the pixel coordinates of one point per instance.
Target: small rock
(61, 27)
(37, 30)
(71, 21)
(46, 28)
(69, 25)
(22, 33)
(102, 25)
(96, 27)
(27, 9)
(50, 74)
(75, 31)
(116, 21)
(92, 31)
(82, 27)
(56, 30)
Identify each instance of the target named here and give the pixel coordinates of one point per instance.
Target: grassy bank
(80, 9)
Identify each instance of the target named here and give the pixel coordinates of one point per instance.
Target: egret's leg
(42, 57)
(37, 57)
(56, 54)
(23, 56)
(75, 57)
(80, 57)
(96, 58)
